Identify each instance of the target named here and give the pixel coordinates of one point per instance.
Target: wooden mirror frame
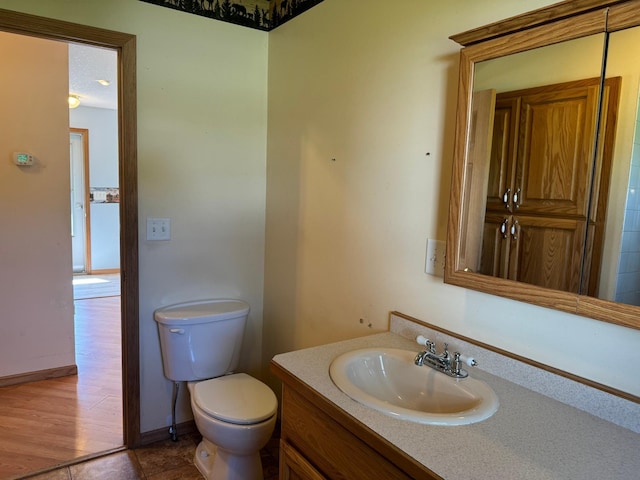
(556, 23)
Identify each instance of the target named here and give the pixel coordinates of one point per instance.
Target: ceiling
(87, 65)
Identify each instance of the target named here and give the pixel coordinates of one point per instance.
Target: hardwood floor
(50, 422)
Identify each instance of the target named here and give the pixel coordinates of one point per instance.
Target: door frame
(84, 133)
(125, 45)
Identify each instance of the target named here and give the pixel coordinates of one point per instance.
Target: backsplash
(612, 408)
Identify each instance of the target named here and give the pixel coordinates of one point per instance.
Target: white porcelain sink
(387, 380)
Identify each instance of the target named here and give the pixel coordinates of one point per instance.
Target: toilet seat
(238, 398)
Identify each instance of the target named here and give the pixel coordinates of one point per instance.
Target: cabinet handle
(514, 230)
(503, 228)
(516, 198)
(505, 199)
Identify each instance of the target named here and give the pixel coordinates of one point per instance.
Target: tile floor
(165, 460)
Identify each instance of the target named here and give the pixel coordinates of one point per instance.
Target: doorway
(125, 45)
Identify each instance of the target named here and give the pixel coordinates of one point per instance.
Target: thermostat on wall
(22, 159)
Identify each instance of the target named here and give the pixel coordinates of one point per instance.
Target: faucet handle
(422, 340)
(470, 361)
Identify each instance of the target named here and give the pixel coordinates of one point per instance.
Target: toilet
(235, 413)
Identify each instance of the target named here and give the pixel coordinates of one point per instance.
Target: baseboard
(160, 434)
(104, 271)
(185, 428)
(38, 375)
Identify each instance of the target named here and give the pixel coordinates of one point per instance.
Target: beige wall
(201, 162)
(375, 89)
(36, 322)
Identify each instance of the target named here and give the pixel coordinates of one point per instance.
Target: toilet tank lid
(200, 311)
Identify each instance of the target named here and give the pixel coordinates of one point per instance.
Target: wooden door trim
(125, 45)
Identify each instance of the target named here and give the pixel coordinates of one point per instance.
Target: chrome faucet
(443, 362)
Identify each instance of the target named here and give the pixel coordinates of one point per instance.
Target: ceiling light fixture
(74, 101)
(104, 83)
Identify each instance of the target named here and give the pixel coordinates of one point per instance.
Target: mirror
(545, 204)
(533, 171)
(620, 277)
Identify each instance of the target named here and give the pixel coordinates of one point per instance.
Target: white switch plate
(434, 264)
(158, 229)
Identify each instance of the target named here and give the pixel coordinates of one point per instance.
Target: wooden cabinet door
(503, 153)
(329, 447)
(293, 466)
(495, 245)
(547, 251)
(540, 173)
(555, 149)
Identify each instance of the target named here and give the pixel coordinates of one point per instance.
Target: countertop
(531, 436)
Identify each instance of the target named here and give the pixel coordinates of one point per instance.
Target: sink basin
(387, 380)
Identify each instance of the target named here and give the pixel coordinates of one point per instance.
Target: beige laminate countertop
(531, 436)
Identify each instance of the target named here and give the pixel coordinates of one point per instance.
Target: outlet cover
(434, 263)
(158, 229)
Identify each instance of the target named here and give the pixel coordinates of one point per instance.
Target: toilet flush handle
(179, 331)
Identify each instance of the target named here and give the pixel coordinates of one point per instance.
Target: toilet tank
(201, 339)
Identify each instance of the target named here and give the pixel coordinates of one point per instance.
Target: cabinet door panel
(495, 245)
(547, 252)
(293, 466)
(555, 149)
(503, 145)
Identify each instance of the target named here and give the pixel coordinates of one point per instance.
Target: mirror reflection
(544, 199)
(621, 254)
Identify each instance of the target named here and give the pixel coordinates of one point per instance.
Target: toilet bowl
(235, 413)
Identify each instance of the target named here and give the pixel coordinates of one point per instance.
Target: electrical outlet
(434, 264)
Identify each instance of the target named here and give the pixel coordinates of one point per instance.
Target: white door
(78, 207)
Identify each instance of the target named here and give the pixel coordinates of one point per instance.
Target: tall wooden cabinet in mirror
(545, 192)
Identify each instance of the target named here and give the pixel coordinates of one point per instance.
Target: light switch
(158, 229)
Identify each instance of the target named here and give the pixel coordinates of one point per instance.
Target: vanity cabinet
(293, 465)
(319, 441)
